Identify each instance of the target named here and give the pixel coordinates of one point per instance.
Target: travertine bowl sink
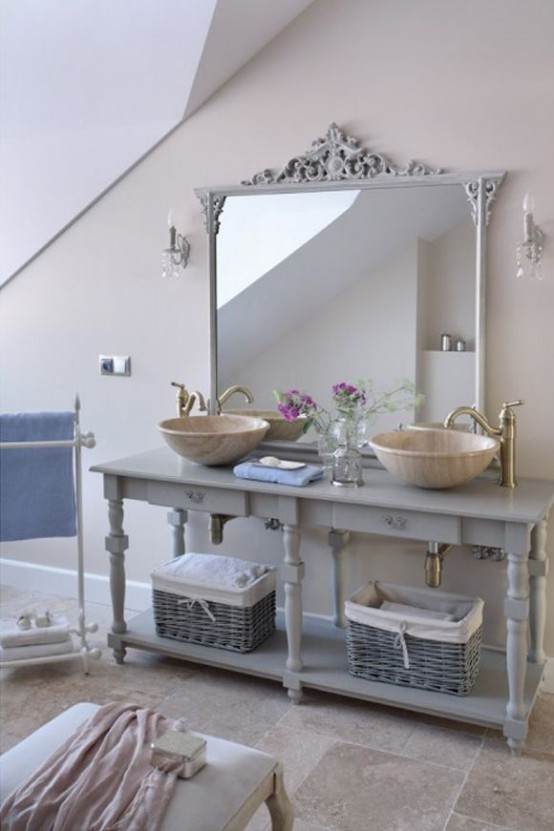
(213, 440)
(434, 458)
(279, 428)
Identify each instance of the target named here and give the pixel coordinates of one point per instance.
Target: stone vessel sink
(434, 458)
(213, 440)
(279, 428)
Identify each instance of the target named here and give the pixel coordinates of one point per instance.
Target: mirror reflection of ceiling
(105, 81)
(256, 241)
(377, 224)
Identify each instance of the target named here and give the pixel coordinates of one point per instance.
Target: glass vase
(347, 459)
(326, 446)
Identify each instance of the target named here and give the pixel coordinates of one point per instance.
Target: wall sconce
(177, 254)
(533, 241)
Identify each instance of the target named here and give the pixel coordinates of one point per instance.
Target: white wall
(450, 290)
(448, 304)
(463, 86)
(85, 91)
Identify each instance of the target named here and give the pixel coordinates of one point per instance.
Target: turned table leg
(516, 610)
(116, 544)
(177, 519)
(538, 569)
(338, 540)
(292, 572)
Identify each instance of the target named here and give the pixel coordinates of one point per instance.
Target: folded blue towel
(37, 492)
(263, 473)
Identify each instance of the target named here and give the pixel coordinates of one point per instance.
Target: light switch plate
(115, 365)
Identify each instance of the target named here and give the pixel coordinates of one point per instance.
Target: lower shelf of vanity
(326, 669)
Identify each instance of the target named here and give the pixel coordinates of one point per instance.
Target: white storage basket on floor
(215, 601)
(414, 637)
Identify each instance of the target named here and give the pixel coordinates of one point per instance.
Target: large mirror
(344, 267)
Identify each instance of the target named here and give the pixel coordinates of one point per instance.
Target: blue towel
(37, 492)
(262, 473)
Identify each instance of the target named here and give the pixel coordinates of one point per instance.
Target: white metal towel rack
(85, 652)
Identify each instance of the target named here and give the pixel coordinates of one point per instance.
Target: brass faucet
(506, 432)
(186, 400)
(231, 391)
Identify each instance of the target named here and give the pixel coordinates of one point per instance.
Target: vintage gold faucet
(232, 390)
(506, 432)
(186, 400)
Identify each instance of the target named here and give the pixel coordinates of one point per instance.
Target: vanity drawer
(390, 522)
(198, 498)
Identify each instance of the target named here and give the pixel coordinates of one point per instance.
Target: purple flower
(294, 404)
(348, 398)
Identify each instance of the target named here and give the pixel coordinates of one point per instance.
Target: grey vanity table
(305, 652)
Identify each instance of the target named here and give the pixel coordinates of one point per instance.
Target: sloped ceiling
(105, 81)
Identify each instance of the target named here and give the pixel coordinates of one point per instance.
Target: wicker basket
(413, 645)
(226, 618)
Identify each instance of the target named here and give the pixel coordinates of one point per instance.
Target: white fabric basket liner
(213, 578)
(363, 607)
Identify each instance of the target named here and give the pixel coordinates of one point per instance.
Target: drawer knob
(196, 496)
(394, 521)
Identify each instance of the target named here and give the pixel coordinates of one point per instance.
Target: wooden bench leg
(279, 804)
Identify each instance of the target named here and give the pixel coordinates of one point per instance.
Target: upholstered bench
(222, 796)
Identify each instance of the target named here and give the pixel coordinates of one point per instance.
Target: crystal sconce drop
(533, 240)
(177, 255)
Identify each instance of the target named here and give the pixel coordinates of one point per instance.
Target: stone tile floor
(349, 766)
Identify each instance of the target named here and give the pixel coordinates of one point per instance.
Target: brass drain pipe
(433, 563)
(217, 521)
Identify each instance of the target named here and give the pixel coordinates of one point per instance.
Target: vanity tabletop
(529, 502)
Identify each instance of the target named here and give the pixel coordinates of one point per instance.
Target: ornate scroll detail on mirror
(335, 157)
(212, 211)
(489, 192)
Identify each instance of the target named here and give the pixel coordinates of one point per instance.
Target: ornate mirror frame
(336, 161)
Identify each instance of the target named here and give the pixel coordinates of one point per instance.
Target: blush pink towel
(100, 779)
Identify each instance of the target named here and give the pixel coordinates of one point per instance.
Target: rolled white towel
(211, 570)
(12, 636)
(39, 650)
(413, 611)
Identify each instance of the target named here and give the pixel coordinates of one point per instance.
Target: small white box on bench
(180, 752)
